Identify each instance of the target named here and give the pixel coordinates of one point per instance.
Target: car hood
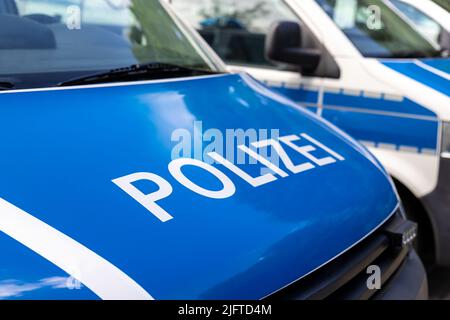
(62, 149)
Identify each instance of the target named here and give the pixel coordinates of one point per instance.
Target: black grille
(346, 277)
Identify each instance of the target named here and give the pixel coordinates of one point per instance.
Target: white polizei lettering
(324, 147)
(147, 200)
(99, 275)
(284, 156)
(253, 181)
(263, 160)
(306, 150)
(228, 186)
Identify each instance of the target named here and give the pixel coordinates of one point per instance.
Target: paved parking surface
(439, 281)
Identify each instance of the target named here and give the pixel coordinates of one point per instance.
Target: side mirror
(284, 44)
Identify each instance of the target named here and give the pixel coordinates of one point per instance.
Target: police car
(364, 67)
(121, 177)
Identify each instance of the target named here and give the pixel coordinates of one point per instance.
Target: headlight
(445, 149)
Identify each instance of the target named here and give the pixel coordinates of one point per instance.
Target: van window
(426, 25)
(377, 30)
(235, 29)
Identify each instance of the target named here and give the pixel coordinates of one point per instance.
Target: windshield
(45, 42)
(377, 30)
(428, 27)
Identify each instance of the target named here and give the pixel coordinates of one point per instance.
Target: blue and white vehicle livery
(365, 68)
(94, 204)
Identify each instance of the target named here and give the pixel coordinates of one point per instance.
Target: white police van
(362, 66)
(429, 18)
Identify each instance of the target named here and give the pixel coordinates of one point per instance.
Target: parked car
(362, 66)
(429, 18)
(100, 198)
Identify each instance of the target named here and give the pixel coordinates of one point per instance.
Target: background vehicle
(429, 18)
(93, 198)
(361, 66)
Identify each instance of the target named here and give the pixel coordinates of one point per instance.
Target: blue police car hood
(61, 150)
(434, 73)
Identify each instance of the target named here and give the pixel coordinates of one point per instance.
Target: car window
(423, 23)
(236, 29)
(377, 30)
(43, 42)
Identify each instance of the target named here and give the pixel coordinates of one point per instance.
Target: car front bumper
(408, 283)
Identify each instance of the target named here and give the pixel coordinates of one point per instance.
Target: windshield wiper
(6, 85)
(137, 72)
